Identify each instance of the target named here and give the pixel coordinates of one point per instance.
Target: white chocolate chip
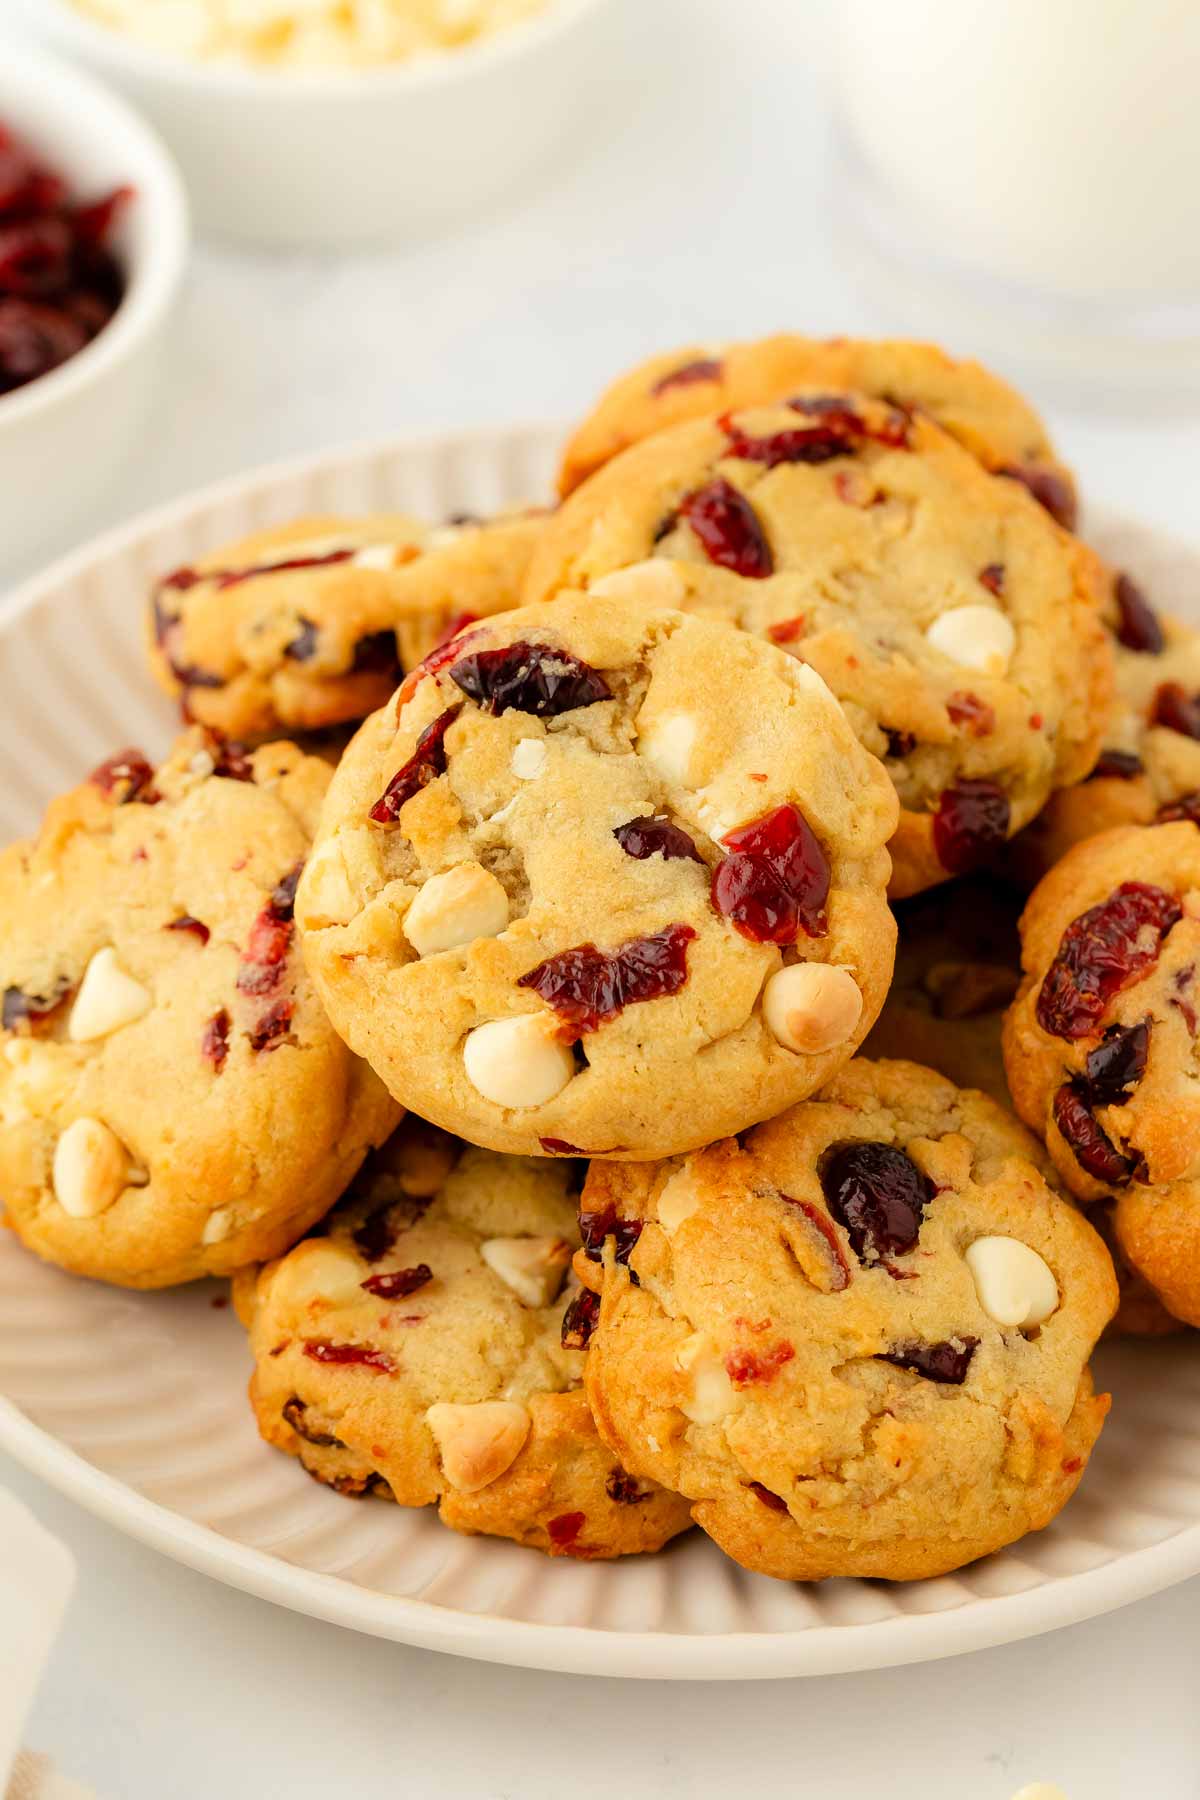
(325, 896)
(318, 1270)
(977, 637)
(517, 1062)
(668, 745)
(477, 1443)
(456, 907)
(712, 1391)
(533, 1267)
(217, 1226)
(811, 1007)
(91, 1168)
(655, 582)
(202, 764)
(381, 556)
(1014, 1284)
(529, 759)
(677, 1202)
(804, 675)
(107, 999)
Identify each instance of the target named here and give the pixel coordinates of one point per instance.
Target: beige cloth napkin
(37, 1574)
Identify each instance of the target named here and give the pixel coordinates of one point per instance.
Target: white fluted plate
(134, 1404)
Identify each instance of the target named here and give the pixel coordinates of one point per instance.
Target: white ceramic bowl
(64, 436)
(319, 159)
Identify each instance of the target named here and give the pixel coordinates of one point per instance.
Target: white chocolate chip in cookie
(478, 1443)
(217, 1226)
(456, 907)
(325, 896)
(811, 1007)
(529, 759)
(977, 637)
(668, 745)
(655, 582)
(712, 1394)
(91, 1168)
(677, 1202)
(1014, 1284)
(518, 1062)
(108, 998)
(533, 1267)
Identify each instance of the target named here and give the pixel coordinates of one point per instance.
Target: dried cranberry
(971, 821)
(376, 1235)
(399, 1283)
(1116, 765)
(35, 258)
(322, 1351)
(34, 339)
(1102, 952)
(266, 952)
(376, 654)
(1117, 1063)
(595, 1228)
(1176, 709)
(566, 1528)
(25, 186)
(787, 630)
(272, 1027)
(283, 895)
(947, 1362)
(701, 368)
(899, 743)
(580, 1320)
(1186, 810)
(227, 578)
(623, 1488)
(774, 1501)
(991, 576)
(837, 429)
(1138, 626)
(294, 1410)
(973, 714)
(303, 647)
(650, 836)
(878, 1194)
(775, 881)
(1051, 491)
(586, 986)
(195, 927)
(1182, 981)
(728, 529)
(529, 678)
(839, 415)
(214, 1041)
(19, 1009)
(448, 647)
(820, 1222)
(1089, 1143)
(230, 760)
(125, 776)
(426, 763)
(749, 1368)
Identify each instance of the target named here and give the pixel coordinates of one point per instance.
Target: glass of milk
(1036, 159)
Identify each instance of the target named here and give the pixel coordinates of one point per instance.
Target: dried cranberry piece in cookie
(728, 529)
(123, 777)
(273, 1026)
(20, 1011)
(1089, 1143)
(595, 1228)
(775, 881)
(1177, 710)
(1138, 626)
(1117, 1064)
(266, 952)
(971, 821)
(214, 1041)
(398, 1283)
(586, 986)
(701, 368)
(1186, 810)
(376, 654)
(580, 1320)
(529, 678)
(835, 429)
(303, 647)
(1103, 951)
(426, 763)
(946, 1362)
(322, 1351)
(1116, 765)
(878, 1194)
(1050, 490)
(650, 836)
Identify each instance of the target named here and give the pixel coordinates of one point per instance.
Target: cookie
(414, 1351)
(173, 1101)
(606, 880)
(309, 625)
(989, 418)
(957, 624)
(858, 1338)
(1100, 1044)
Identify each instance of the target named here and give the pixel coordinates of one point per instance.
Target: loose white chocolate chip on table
(811, 1007)
(533, 1267)
(712, 1393)
(477, 1443)
(977, 637)
(677, 1202)
(1014, 1284)
(517, 1062)
(655, 582)
(668, 744)
(456, 907)
(529, 759)
(91, 1168)
(107, 999)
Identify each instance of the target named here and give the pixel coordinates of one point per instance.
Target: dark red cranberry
(562, 1147)
(26, 188)
(529, 678)
(701, 368)
(1049, 489)
(1116, 765)
(194, 927)
(595, 1228)
(34, 339)
(899, 743)
(946, 1362)
(125, 776)
(231, 761)
(586, 986)
(1183, 981)
(1138, 626)
(650, 836)
(399, 1283)
(20, 1010)
(426, 763)
(303, 647)
(447, 649)
(227, 578)
(261, 967)
(283, 895)
(35, 258)
(580, 1320)
(728, 529)
(376, 654)
(835, 429)
(764, 1494)
(623, 1488)
(1185, 809)
(837, 414)
(294, 1411)
(322, 1351)
(975, 716)
(971, 821)
(1103, 951)
(214, 1041)
(270, 1029)
(991, 576)
(878, 1194)
(376, 1235)
(751, 1368)
(820, 1222)
(566, 1528)
(775, 881)
(1117, 1064)
(1089, 1143)
(1176, 709)
(786, 631)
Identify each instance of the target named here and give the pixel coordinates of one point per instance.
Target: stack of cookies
(484, 979)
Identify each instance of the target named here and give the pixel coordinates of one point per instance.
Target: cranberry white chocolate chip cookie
(415, 1351)
(310, 625)
(173, 1101)
(858, 1338)
(987, 416)
(957, 624)
(1100, 1044)
(604, 880)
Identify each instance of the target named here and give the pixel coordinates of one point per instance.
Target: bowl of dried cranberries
(93, 243)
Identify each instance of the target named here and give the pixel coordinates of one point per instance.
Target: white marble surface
(695, 205)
